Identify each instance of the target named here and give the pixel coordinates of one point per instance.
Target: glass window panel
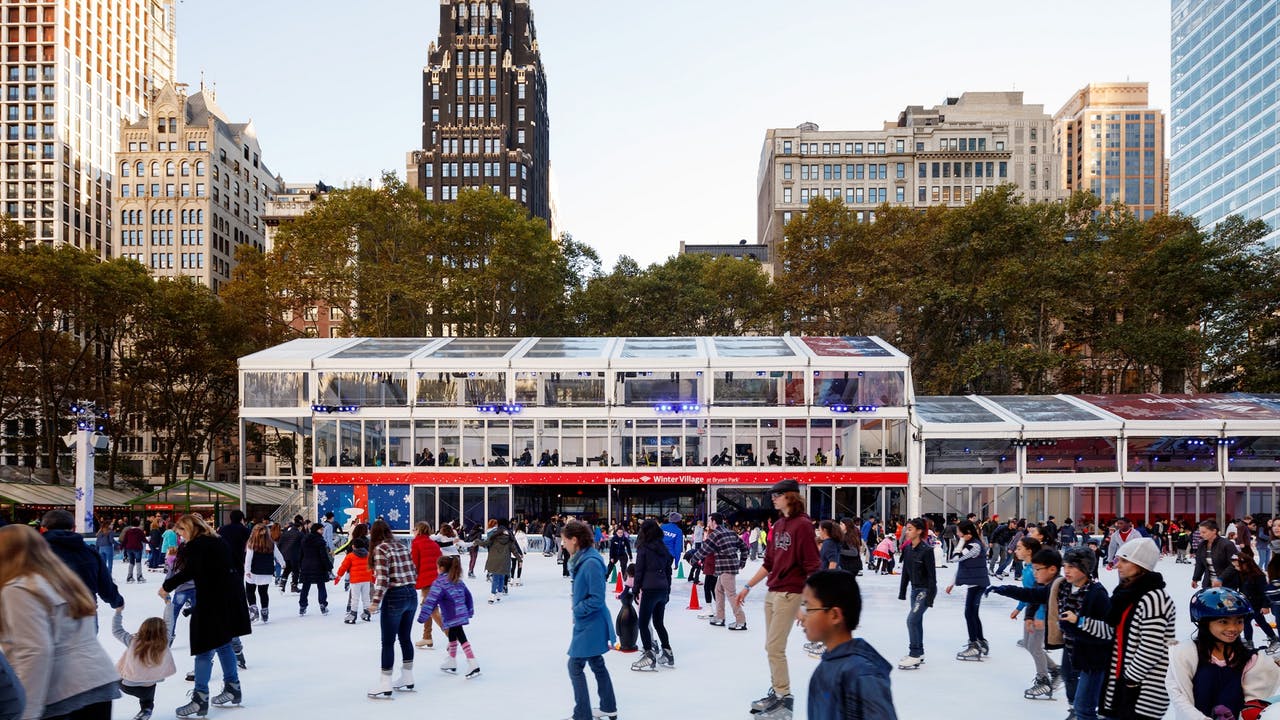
(1033, 503)
(982, 501)
(424, 442)
(1058, 502)
(365, 389)
(1184, 504)
(1236, 508)
(976, 456)
(1072, 455)
(499, 438)
(821, 503)
(439, 388)
(869, 502)
(720, 442)
(326, 443)
(953, 410)
(1208, 504)
(1007, 502)
(473, 506)
(476, 348)
(1173, 454)
(822, 442)
(882, 389)
(572, 444)
(796, 443)
(375, 443)
(473, 451)
(897, 502)
(623, 444)
(424, 506)
(771, 441)
(400, 443)
(349, 443)
(275, 389)
(499, 500)
(1108, 505)
(450, 443)
(1135, 504)
(554, 348)
(596, 449)
(931, 500)
(1253, 454)
(561, 389)
(522, 447)
(649, 388)
(486, 387)
(1158, 507)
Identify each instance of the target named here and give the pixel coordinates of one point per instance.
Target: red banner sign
(162, 506)
(427, 476)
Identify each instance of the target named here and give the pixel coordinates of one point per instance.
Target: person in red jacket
(425, 552)
(789, 559)
(356, 566)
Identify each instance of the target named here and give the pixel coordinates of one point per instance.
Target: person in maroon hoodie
(789, 559)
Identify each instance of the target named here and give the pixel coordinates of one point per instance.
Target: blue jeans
(915, 622)
(497, 584)
(1084, 688)
(1264, 554)
(204, 667)
(972, 618)
(108, 556)
(396, 619)
(1008, 560)
(180, 598)
(582, 694)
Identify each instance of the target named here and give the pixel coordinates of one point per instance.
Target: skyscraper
(1112, 144)
(1225, 111)
(484, 107)
(74, 71)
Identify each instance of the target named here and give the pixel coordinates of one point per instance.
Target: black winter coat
(222, 612)
(314, 561)
(86, 563)
(619, 548)
(653, 567)
(290, 544)
(237, 536)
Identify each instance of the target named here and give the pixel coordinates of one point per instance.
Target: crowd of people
(1120, 655)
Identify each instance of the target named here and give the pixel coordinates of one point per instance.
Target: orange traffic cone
(617, 588)
(693, 598)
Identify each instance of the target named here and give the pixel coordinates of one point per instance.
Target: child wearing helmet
(1216, 674)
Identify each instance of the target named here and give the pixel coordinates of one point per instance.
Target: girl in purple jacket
(451, 596)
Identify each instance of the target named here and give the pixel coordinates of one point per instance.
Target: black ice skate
(230, 695)
(1041, 689)
(666, 659)
(972, 651)
(198, 707)
(646, 663)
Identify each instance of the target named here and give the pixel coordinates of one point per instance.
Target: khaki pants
(435, 617)
(726, 589)
(779, 615)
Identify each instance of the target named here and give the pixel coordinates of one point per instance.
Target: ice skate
(230, 695)
(716, 623)
(450, 665)
(646, 663)
(780, 711)
(143, 715)
(1273, 647)
(264, 614)
(910, 662)
(984, 646)
(350, 618)
(253, 613)
(598, 714)
(1055, 677)
(404, 683)
(815, 649)
(738, 626)
(364, 615)
(1041, 689)
(383, 691)
(240, 663)
(324, 609)
(198, 707)
(424, 644)
(666, 658)
(973, 651)
(474, 671)
(764, 703)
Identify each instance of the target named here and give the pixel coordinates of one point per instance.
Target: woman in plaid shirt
(393, 580)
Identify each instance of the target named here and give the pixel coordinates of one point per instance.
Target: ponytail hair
(450, 567)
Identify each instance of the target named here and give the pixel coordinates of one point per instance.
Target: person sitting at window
(545, 459)
(555, 458)
(774, 457)
(722, 458)
(793, 457)
(443, 458)
(750, 457)
(819, 458)
(526, 458)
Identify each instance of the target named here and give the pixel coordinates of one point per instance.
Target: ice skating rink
(313, 665)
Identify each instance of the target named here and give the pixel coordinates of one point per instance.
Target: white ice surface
(317, 665)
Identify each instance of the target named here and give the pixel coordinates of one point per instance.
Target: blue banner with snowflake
(351, 504)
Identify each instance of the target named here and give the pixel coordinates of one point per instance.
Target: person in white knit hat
(1142, 622)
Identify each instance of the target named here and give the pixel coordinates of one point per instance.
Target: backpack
(709, 564)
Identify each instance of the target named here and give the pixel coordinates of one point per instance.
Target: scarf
(1127, 595)
(577, 559)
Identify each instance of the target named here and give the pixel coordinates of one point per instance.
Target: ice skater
(1215, 674)
(971, 571)
(450, 596)
(653, 581)
(392, 592)
(260, 560)
(592, 629)
(355, 566)
(145, 662)
(919, 573)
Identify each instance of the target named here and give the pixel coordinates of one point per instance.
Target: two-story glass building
(604, 428)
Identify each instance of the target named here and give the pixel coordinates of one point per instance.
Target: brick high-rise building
(484, 107)
(1111, 142)
(73, 73)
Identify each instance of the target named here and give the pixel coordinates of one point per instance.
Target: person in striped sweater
(1141, 619)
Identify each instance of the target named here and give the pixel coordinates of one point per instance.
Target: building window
(857, 148)
(786, 147)
(900, 145)
(520, 91)
(902, 170)
(520, 113)
(786, 195)
(520, 136)
(901, 194)
(999, 145)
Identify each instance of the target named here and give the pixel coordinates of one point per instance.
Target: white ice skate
(910, 662)
(383, 691)
(404, 683)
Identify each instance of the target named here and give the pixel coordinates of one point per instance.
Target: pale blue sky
(658, 108)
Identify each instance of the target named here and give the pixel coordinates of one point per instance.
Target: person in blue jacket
(852, 679)
(592, 627)
(673, 537)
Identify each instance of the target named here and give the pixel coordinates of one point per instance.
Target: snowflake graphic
(394, 515)
(408, 497)
(322, 497)
(79, 494)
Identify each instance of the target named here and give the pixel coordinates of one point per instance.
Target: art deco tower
(484, 106)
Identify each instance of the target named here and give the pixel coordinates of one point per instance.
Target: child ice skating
(355, 565)
(852, 679)
(1215, 674)
(451, 596)
(146, 662)
(260, 558)
(971, 571)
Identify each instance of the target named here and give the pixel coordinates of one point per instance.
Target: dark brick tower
(484, 106)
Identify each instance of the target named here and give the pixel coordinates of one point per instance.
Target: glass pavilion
(439, 429)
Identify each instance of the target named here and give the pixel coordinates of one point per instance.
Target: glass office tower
(1225, 138)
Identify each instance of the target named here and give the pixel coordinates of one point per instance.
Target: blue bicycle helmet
(1219, 602)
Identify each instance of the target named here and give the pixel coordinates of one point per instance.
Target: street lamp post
(86, 416)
